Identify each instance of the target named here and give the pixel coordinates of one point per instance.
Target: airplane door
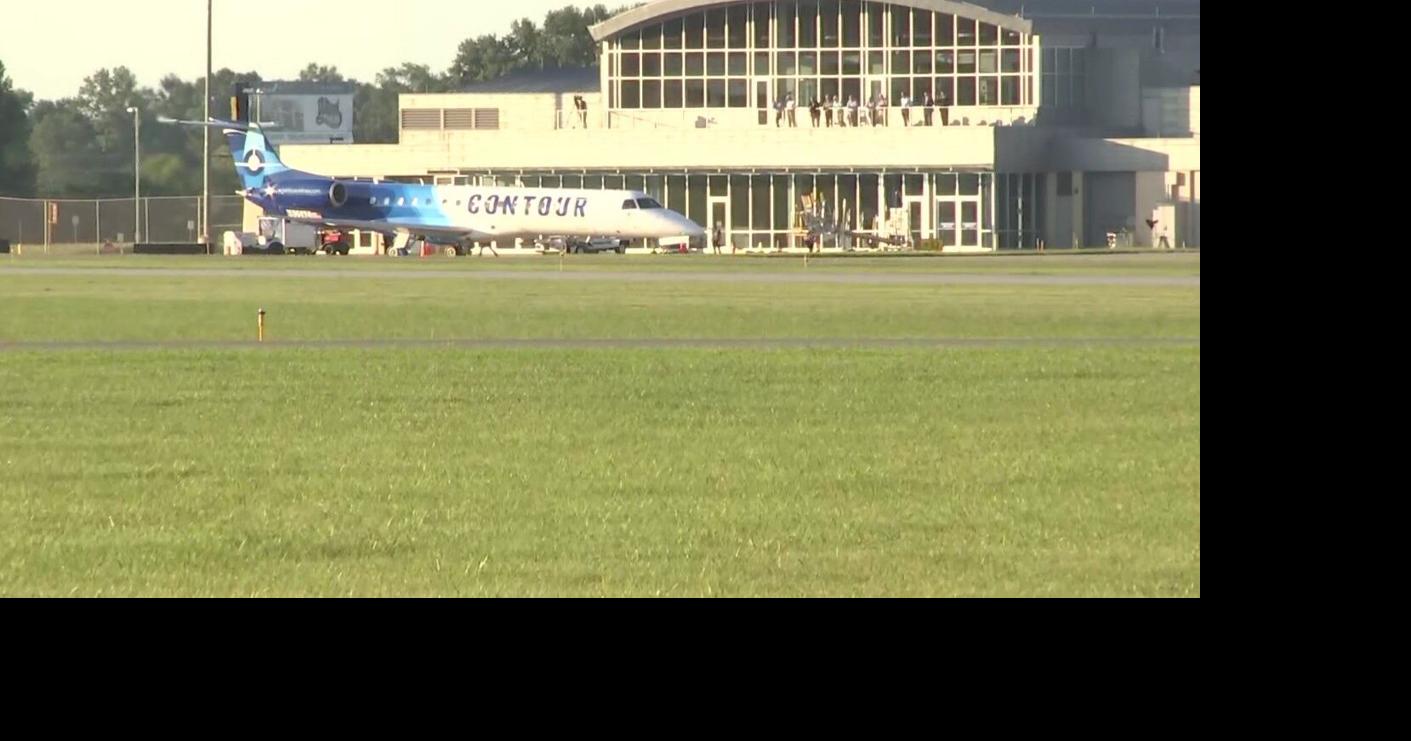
(628, 224)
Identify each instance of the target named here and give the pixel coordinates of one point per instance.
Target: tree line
(81, 147)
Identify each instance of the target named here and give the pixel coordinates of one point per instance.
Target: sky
(49, 46)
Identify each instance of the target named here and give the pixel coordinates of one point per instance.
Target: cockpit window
(648, 203)
(629, 203)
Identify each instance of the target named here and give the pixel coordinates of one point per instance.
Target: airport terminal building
(1054, 123)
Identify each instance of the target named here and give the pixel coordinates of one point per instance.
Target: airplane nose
(688, 227)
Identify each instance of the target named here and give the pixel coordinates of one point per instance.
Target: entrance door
(947, 225)
(969, 222)
(761, 101)
(719, 215)
(917, 218)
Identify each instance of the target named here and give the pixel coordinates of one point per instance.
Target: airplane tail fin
(255, 158)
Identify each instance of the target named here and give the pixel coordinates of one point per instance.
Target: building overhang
(642, 150)
(664, 9)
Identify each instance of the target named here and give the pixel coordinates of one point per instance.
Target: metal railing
(888, 117)
(678, 119)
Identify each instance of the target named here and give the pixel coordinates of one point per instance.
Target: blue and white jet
(445, 213)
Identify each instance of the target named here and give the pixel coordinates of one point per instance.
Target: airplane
(450, 213)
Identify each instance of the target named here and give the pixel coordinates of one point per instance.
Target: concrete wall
(1195, 110)
(1110, 205)
(1184, 190)
(1064, 214)
(1125, 155)
(1174, 65)
(1113, 89)
(250, 218)
(1170, 111)
(1111, 201)
(1151, 189)
(1024, 149)
(1124, 61)
(518, 111)
(1193, 212)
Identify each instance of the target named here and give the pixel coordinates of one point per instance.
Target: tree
(411, 78)
(567, 42)
(171, 155)
(16, 162)
(562, 41)
(104, 99)
(486, 57)
(526, 44)
(318, 73)
(66, 152)
(83, 146)
(170, 174)
(375, 120)
(377, 105)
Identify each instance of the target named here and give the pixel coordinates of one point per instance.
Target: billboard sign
(306, 114)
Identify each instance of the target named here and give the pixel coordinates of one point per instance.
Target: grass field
(1025, 468)
(1025, 263)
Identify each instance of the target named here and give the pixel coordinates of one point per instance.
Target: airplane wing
(217, 123)
(384, 226)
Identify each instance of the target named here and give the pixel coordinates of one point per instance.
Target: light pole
(206, 138)
(137, 174)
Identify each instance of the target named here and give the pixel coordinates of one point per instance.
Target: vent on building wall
(460, 118)
(451, 119)
(421, 118)
(487, 118)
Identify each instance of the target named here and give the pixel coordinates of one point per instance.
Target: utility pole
(137, 174)
(206, 137)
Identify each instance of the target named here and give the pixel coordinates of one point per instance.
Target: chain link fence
(95, 221)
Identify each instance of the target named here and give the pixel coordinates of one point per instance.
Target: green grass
(1011, 471)
(1056, 262)
(73, 308)
(1015, 472)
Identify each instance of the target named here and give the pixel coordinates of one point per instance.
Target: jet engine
(311, 194)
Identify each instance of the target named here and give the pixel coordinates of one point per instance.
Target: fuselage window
(401, 201)
(648, 203)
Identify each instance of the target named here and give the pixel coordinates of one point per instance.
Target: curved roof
(661, 9)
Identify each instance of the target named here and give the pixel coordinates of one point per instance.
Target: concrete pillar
(250, 219)
(1193, 238)
(1153, 189)
(1075, 237)
(1047, 190)
(604, 82)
